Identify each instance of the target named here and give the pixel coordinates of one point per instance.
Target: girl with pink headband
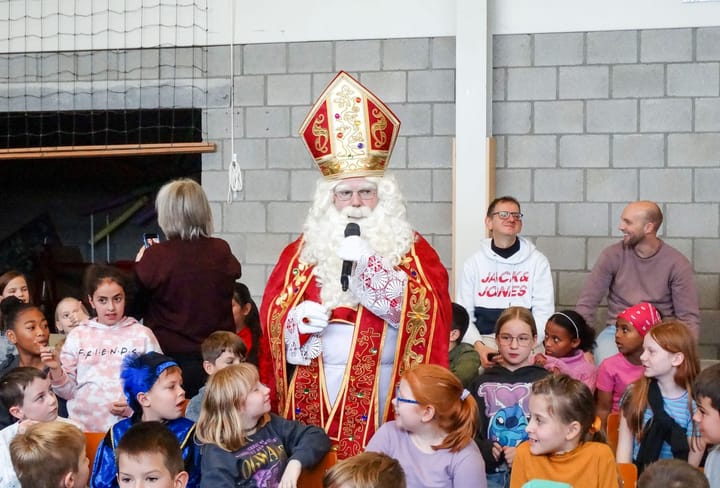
(618, 371)
(567, 338)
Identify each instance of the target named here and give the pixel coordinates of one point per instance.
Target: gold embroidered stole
(355, 416)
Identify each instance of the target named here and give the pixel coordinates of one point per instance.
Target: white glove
(311, 317)
(353, 248)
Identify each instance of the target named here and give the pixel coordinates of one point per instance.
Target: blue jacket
(104, 472)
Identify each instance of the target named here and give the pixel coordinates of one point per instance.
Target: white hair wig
(386, 229)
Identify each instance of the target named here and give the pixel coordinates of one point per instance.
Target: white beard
(390, 236)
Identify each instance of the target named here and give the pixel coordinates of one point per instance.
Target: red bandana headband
(642, 316)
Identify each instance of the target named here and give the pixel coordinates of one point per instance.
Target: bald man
(640, 268)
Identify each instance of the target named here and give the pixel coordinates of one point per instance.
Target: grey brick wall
(590, 121)
(274, 87)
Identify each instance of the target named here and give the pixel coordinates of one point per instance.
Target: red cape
(299, 392)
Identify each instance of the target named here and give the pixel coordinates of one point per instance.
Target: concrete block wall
(274, 87)
(589, 121)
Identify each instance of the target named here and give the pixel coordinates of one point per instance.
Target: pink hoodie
(91, 360)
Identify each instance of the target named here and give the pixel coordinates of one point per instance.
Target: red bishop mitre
(349, 131)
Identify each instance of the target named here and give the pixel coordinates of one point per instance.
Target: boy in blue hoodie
(152, 384)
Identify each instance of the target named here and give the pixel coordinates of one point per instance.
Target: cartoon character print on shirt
(263, 462)
(506, 406)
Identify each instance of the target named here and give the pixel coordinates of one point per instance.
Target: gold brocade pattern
(378, 128)
(360, 392)
(354, 417)
(322, 136)
(349, 131)
(366, 166)
(277, 345)
(416, 326)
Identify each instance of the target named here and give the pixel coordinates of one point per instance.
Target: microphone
(352, 229)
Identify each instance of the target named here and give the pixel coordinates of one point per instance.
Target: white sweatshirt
(491, 283)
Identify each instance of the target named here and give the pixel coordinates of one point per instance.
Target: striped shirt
(677, 408)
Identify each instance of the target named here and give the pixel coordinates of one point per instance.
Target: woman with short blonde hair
(186, 282)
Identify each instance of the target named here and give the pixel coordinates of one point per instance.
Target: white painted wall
(52, 25)
(532, 16)
(313, 20)
(72, 25)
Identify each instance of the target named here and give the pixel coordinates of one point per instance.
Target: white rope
(235, 183)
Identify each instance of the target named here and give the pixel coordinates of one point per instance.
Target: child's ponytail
(456, 411)
(465, 423)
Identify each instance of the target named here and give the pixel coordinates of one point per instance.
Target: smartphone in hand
(150, 238)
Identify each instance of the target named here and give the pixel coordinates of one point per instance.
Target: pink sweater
(665, 279)
(575, 366)
(91, 361)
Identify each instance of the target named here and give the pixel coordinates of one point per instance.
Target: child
(243, 443)
(617, 372)
(567, 339)
(672, 473)
(87, 373)
(153, 388)
(663, 394)
(12, 283)
(432, 434)
(247, 320)
(502, 393)
(26, 393)
(150, 448)
(706, 392)
(219, 350)
(29, 334)
(27, 330)
(366, 470)
(50, 455)
(69, 313)
(561, 430)
(464, 359)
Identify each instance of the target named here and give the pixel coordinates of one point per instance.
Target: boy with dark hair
(149, 447)
(26, 393)
(50, 455)
(152, 384)
(219, 350)
(464, 359)
(706, 392)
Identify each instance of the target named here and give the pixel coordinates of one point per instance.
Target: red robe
(299, 392)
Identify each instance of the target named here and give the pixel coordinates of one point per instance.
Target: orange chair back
(613, 430)
(92, 441)
(628, 474)
(313, 478)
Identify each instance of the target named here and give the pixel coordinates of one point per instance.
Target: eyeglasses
(364, 194)
(507, 340)
(504, 215)
(400, 399)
